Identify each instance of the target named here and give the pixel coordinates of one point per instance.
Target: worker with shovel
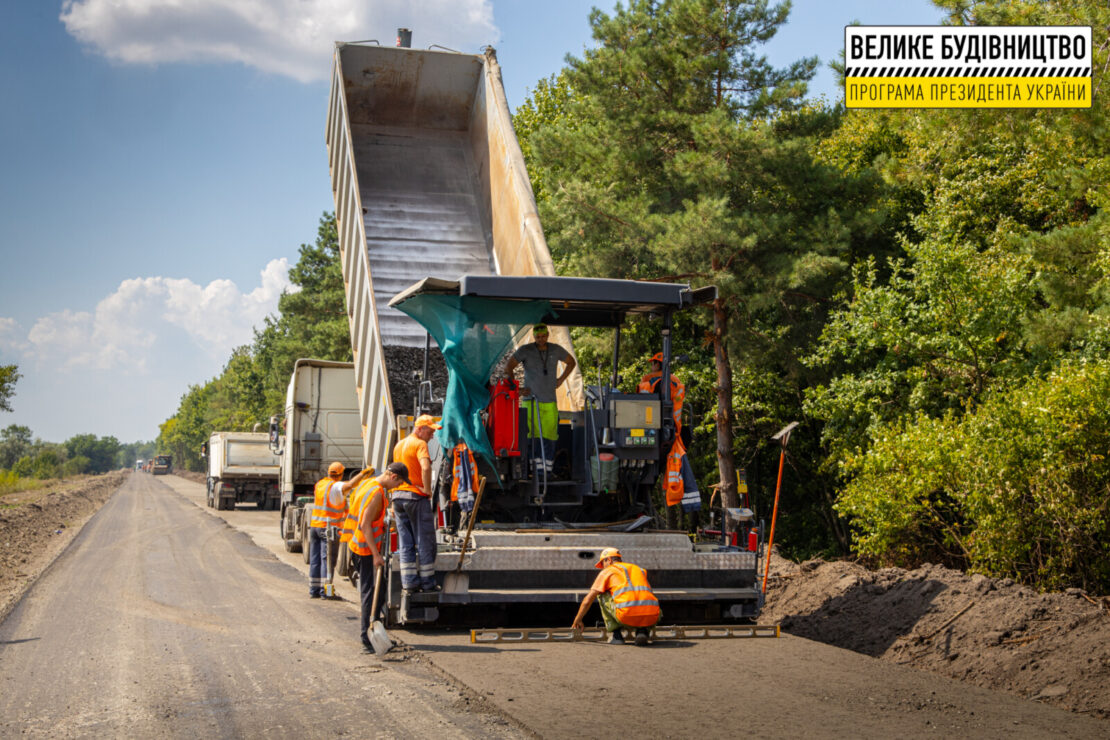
(368, 536)
(624, 595)
(328, 511)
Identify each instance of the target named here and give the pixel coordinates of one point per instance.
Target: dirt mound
(35, 526)
(1052, 647)
(192, 476)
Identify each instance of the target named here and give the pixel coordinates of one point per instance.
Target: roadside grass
(12, 483)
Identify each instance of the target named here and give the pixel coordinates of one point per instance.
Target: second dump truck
(241, 469)
(320, 426)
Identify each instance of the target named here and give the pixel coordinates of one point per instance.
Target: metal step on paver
(597, 634)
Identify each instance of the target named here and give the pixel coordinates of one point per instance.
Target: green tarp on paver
(472, 333)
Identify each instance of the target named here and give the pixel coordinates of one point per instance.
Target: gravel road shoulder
(37, 525)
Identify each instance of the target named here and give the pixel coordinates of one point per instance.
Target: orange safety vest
(358, 543)
(350, 522)
(634, 603)
(457, 471)
(323, 513)
(673, 486)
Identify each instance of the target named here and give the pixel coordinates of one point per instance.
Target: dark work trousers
(416, 542)
(317, 560)
(366, 594)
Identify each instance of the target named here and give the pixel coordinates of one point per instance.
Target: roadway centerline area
(782, 687)
(162, 621)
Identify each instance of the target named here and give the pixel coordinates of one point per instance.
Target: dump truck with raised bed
(242, 469)
(437, 221)
(321, 426)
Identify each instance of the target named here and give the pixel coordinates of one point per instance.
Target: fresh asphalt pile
(403, 364)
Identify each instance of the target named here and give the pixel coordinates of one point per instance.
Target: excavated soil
(1052, 647)
(35, 526)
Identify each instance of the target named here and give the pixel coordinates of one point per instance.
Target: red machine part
(504, 418)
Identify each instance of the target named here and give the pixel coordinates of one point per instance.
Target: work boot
(616, 638)
(642, 636)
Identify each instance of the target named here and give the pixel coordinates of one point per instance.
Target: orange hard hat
(657, 357)
(608, 552)
(335, 470)
(426, 420)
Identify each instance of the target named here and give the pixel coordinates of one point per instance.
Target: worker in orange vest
(329, 509)
(412, 508)
(625, 598)
(367, 510)
(679, 484)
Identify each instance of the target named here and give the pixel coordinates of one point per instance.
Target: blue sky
(162, 161)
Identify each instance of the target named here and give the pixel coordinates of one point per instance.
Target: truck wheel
(291, 544)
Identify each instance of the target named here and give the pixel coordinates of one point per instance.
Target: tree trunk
(725, 462)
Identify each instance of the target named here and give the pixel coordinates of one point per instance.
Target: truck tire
(291, 544)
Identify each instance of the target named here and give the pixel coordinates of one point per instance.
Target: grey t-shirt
(541, 383)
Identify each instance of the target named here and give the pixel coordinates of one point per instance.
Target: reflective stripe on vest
(323, 513)
(358, 543)
(319, 512)
(673, 486)
(634, 603)
(351, 520)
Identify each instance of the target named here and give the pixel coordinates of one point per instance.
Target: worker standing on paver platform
(412, 506)
(368, 507)
(541, 379)
(329, 509)
(624, 595)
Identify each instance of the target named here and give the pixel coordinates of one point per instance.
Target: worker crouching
(625, 598)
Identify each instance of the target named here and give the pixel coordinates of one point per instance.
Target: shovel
(456, 582)
(379, 638)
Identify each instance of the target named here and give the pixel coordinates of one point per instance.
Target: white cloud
(122, 331)
(10, 335)
(287, 37)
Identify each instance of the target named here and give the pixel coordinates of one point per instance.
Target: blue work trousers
(416, 542)
(317, 560)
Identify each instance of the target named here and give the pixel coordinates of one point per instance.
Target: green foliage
(547, 105)
(961, 406)
(100, 454)
(1020, 487)
(9, 374)
(15, 442)
(24, 467)
(75, 466)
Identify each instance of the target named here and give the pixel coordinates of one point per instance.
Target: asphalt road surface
(169, 619)
(163, 621)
